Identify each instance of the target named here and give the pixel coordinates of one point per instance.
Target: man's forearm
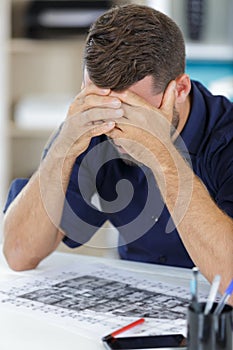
(205, 230)
(31, 224)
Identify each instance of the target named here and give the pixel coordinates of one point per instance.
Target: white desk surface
(22, 332)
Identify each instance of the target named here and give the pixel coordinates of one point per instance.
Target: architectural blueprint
(96, 299)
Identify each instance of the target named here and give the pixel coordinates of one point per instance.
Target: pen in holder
(210, 331)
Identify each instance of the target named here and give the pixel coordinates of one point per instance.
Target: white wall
(164, 6)
(4, 30)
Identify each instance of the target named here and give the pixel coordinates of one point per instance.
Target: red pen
(124, 329)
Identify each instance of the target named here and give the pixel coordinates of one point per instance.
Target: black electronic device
(175, 341)
(196, 11)
(62, 18)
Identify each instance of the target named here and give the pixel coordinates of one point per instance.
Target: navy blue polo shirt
(129, 196)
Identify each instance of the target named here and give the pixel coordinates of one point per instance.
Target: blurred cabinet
(51, 67)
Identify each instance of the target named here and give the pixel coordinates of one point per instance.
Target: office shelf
(36, 67)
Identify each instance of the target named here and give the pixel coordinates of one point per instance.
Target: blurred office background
(40, 70)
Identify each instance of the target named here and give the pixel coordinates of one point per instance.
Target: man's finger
(101, 129)
(169, 98)
(92, 89)
(130, 98)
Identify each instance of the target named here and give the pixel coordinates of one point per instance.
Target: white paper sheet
(95, 300)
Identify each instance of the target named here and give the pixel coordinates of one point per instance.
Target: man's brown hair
(130, 42)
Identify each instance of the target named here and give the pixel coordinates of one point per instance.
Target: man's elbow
(18, 261)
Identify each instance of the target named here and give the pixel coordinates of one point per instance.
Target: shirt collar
(193, 131)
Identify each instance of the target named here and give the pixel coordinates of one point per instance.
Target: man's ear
(183, 87)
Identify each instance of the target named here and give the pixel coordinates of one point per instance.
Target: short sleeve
(15, 188)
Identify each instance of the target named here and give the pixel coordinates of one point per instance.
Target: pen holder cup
(210, 332)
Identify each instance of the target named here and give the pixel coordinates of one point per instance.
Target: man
(154, 145)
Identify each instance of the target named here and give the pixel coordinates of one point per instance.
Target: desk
(22, 332)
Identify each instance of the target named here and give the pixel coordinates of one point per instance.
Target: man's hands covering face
(127, 118)
(143, 129)
(92, 113)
